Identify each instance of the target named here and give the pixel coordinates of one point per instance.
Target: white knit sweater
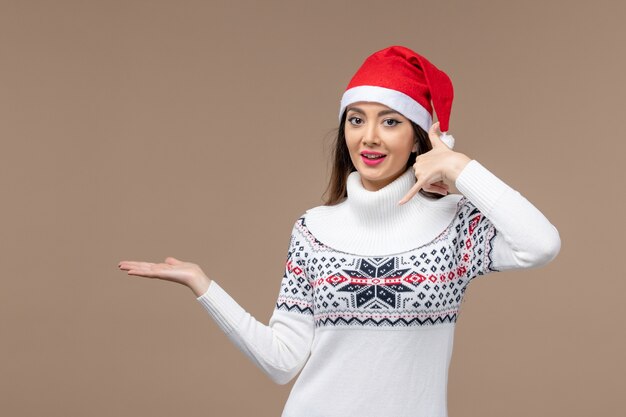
(371, 293)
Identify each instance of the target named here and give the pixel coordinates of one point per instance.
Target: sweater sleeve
(497, 228)
(281, 348)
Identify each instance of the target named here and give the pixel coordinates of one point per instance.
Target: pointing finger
(414, 190)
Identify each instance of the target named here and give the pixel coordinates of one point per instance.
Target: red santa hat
(406, 82)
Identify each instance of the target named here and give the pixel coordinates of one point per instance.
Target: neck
(372, 223)
(381, 206)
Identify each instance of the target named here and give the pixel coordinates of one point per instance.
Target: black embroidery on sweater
(420, 287)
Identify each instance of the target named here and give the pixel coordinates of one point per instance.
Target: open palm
(175, 270)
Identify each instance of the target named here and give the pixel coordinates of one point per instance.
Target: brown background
(138, 130)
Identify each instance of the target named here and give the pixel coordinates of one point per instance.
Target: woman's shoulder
(314, 214)
(325, 208)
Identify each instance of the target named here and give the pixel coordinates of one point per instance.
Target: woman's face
(373, 128)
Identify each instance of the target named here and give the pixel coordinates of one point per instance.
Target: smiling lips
(372, 158)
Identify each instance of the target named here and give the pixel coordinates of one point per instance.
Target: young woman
(375, 277)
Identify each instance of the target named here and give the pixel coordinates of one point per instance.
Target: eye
(394, 122)
(351, 120)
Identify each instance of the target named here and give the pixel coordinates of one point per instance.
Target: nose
(370, 135)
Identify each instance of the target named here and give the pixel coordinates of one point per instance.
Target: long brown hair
(342, 164)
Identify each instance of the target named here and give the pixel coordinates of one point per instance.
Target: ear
(414, 150)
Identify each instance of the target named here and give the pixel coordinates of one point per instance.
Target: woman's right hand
(175, 270)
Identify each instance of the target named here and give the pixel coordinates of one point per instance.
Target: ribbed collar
(371, 223)
(375, 207)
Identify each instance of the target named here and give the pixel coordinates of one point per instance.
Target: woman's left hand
(436, 166)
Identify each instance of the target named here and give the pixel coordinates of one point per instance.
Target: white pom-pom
(447, 139)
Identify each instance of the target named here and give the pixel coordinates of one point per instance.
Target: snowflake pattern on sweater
(419, 287)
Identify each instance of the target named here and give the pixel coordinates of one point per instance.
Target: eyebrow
(380, 113)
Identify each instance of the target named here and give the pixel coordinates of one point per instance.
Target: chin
(377, 177)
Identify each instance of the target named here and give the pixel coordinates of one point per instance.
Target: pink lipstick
(375, 158)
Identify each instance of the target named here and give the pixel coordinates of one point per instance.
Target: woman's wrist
(456, 165)
(200, 285)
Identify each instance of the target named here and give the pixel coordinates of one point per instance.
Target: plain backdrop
(136, 130)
